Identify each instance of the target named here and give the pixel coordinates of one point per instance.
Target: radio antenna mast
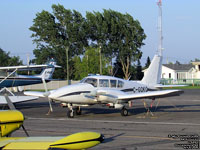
(160, 36)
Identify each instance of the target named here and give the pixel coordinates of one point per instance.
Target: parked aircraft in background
(114, 92)
(9, 78)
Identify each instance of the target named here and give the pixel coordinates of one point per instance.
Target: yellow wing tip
(80, 140)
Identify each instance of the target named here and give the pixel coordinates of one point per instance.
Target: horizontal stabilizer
(17, 99)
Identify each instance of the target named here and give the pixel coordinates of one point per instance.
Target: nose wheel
(70, 112)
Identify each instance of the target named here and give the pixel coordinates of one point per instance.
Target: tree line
(88, 44)
(106, 42)
(7, 60)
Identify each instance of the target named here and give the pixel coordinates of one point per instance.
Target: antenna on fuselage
(160, 36)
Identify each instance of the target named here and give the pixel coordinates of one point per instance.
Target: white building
(181, 72)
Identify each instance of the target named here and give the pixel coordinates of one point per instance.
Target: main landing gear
(124, 112)
(78, 110)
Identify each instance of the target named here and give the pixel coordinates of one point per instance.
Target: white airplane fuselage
(84, 92)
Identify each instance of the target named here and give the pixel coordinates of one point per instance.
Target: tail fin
(48, 72)
(153, 74)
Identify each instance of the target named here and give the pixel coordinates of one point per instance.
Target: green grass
(184, 87)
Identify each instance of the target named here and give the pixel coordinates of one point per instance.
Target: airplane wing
(150, 94)
(37, 93)
(168, 86)
(113, 96)
(28, 67)
(80, 140)
(17, 99)
(22, 67)
(34, 93)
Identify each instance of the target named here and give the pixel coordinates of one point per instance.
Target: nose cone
(70, 90)
(52, 96)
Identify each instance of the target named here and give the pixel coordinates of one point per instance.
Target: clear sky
(181, 24)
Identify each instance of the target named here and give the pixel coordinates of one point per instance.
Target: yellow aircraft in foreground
(11, 120)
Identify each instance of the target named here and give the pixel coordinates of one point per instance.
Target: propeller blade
(25, 131)
(47, 93)
(50, 106)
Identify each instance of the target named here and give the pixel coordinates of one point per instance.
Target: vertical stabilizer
(153, 74)
(48, 72)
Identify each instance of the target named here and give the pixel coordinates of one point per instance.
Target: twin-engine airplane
(114, 92)
(9, 78)
(11, 120)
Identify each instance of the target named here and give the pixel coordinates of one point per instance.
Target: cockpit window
(120, 84)
(83, 80)
(103, 83)
(91, 81)
(113, 83)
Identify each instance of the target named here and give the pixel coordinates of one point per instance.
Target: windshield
(91, 81)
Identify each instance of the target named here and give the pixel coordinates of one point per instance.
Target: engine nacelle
(116, 106)
(63, 104)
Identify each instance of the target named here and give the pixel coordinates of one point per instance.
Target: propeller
(47, 93)
(25, 131)
(12, 107)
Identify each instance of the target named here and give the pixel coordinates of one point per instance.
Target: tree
(139, 73)
(89, 64)
(59, 34)
(129, 40)
(147, 63)
(6, 60)
(64, 34)
(117, 70)
(119, 35)
(97, 32)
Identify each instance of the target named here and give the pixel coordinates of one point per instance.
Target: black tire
(124, 112)
(70, 114)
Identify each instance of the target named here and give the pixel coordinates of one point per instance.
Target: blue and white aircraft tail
(15, 80)
(46, 73)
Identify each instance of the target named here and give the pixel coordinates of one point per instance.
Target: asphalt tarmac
(174, 124)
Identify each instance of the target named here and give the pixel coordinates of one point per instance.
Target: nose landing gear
(71, 112)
